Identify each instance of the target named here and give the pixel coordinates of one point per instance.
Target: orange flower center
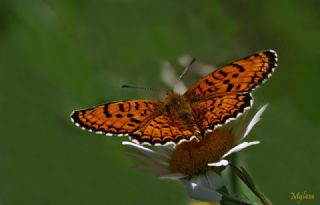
(193, 157)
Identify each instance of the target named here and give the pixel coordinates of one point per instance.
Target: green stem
(233, 176)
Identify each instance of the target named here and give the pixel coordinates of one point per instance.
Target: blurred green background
(57, 56)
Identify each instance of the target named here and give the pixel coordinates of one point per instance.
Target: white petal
(239, 147)
(221, 163)
(173, 176)
(204, 187)
(146, 159)
(144, 150)
(210, 180)
(256, 118)
(202, 193)
(136, 146)
(149, 164)
(215, 180)
(185, 60)
(200, 180)
(180, 87)
(168, 74)
(154, 169)
(168, 148)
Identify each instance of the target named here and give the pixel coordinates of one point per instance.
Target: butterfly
(216, 99)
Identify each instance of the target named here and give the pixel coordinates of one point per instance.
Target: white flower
(202, 187)
(197, 173)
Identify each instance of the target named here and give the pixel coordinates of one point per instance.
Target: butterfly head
(174, 99)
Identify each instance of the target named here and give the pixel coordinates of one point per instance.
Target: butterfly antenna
(138, 87)
(187, 68)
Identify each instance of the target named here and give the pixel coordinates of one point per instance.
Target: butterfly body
(218, 98)
(178, 108)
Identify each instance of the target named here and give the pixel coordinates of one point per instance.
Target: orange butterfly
(219, 97)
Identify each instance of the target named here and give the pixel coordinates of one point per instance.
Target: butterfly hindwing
(117, 118)
(212, 113)
(240, 76)
(162, 130)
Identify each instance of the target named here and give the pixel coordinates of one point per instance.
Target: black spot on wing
(119, 116)
(136, 105)
(147, 105)
(230, 86)
(135, 120)
(106, 111)
(223, 73)
(121, 107)
(209, 82)
(239, 67)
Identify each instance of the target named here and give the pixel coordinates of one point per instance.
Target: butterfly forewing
(117, 118)
(240, 76)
